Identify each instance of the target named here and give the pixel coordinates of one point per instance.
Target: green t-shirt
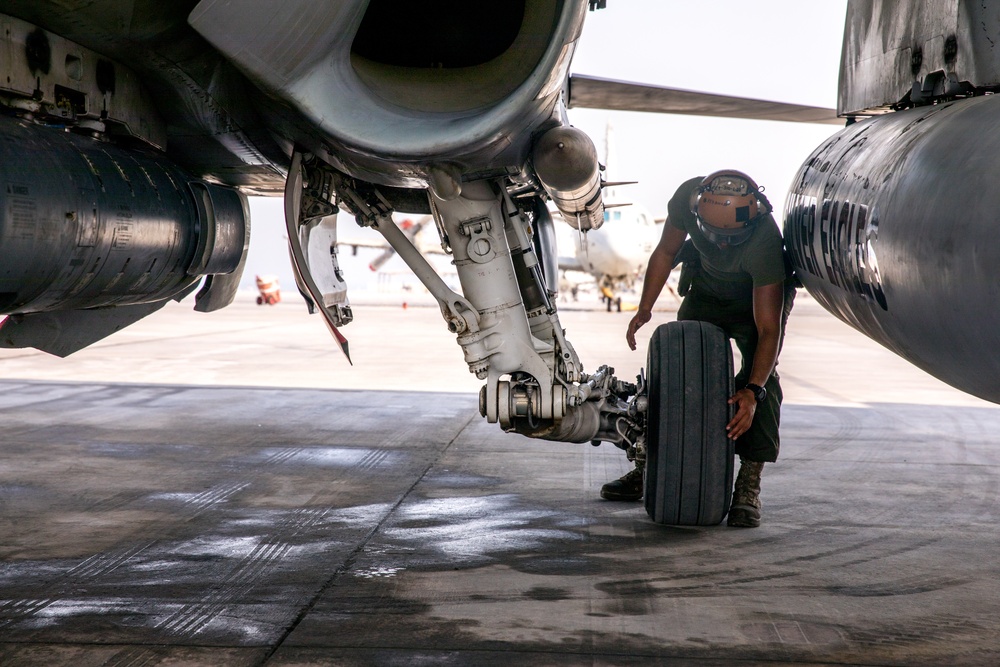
(732, 272)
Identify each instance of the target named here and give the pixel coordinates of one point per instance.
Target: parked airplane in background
(416, 231)
(615, 255)
(131, 132)
(612, 258)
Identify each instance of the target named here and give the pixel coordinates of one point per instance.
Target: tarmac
(226, 489)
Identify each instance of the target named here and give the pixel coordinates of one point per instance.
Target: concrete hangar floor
(225, 490)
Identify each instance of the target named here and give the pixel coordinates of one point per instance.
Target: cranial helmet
(728, 206)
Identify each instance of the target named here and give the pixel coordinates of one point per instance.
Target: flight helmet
(728, 205)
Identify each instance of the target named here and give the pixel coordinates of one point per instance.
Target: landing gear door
(318, 240)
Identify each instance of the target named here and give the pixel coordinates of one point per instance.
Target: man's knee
(764, 454)
(761, 442)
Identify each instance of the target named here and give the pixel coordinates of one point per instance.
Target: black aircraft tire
(689, 459)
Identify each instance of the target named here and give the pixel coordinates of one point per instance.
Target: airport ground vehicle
(269, 290)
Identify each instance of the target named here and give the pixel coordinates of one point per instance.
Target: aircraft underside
(107, 227)
(505, 320)
(126, 154)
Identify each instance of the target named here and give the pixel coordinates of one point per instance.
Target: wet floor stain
(421, 541)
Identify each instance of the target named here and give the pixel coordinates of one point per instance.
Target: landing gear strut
(505, 319)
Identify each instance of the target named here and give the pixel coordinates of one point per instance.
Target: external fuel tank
(893, 225)
(87, 224)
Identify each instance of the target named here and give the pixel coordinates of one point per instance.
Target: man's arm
(661, 263)
(768, 302)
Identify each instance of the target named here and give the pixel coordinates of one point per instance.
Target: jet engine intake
(468, 93)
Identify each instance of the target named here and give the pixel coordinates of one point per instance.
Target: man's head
(728, 205)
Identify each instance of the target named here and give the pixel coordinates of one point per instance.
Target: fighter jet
(132, 132)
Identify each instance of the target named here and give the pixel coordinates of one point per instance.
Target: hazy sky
(784, 50)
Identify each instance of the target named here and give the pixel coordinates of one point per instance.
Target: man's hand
(640, 318)
(746, 408)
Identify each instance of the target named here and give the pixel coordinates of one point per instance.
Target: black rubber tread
(689, 464)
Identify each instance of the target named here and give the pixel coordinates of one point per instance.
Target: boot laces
(633, 476)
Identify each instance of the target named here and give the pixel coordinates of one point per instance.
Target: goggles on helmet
(724, 236)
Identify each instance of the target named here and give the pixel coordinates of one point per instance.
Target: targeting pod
(565, 161)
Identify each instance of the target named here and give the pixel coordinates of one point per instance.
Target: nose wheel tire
(689, 459)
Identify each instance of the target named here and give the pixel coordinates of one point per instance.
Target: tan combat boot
(745, 510)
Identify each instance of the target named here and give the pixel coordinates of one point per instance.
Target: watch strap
(759, 393)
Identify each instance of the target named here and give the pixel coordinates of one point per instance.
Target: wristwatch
(759, 393)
